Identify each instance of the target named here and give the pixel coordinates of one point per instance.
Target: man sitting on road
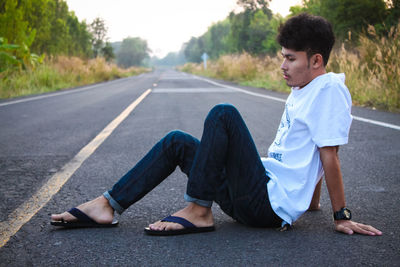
(225, 167)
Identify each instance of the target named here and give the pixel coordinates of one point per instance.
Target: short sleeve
(329, 117)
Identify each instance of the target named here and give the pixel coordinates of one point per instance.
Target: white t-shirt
(316, 115)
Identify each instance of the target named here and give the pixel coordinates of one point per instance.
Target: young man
(225, 166)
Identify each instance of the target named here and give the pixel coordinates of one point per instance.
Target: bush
(58, 73)
(372, 70)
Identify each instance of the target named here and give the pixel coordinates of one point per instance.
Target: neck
(315, 74)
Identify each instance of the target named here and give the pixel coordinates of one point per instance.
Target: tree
(217, 39)
(99, 32)
(13, 27)
(194, 49)
(393, 16)
(262, 34)
(348, 15)
(108, 52)
(255, 5)
(132, 52)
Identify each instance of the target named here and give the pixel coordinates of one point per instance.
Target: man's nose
(283, 65)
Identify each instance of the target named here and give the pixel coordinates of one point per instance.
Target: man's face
(296, 68)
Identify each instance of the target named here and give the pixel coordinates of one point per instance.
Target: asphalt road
(39, 136)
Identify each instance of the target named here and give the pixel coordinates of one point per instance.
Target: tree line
(254, 29)
(29, 28)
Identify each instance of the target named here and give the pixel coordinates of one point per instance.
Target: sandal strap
(82, 217)
(185, 223)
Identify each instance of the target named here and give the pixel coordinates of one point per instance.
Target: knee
(179, 138)
(175, 136)
(222, 110)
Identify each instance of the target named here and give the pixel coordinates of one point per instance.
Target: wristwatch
(343, 214)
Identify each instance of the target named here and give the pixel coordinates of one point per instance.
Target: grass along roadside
(372, 70)
(59, 73)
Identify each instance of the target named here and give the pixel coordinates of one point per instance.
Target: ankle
(200, 211)
(101, 200)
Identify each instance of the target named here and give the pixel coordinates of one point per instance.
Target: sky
(165, 24)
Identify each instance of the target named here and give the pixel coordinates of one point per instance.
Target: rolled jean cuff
(114, 204)
(204, 203)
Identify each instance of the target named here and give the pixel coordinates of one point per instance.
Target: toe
(165, 226)
(66, 216)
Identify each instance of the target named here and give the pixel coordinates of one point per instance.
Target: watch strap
(342, 214)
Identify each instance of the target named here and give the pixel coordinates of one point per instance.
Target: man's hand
(350, 227)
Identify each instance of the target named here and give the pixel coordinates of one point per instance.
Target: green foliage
(253, 30)
(7, 58)
(255, 5)
(132, 52)
(262, 32)
(99, 32)
(216, 39)
(194, 49)
(17, 57)
(350, 18)
(13, 26)
(58, 30)
(62, 72)
(108, 52)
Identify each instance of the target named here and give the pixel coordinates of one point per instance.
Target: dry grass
(59, 73)
(372, 70)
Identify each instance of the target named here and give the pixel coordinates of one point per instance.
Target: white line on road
(379, 123)
(175, 78)
(68, 91)
(29, 208)
(194, 90)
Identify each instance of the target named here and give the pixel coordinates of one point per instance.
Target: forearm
(334, 182)
(333, 177)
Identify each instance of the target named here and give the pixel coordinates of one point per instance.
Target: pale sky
(165, 24)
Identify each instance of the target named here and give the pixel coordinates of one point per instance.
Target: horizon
(162, 26)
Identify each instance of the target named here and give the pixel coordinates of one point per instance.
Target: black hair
(305, 32)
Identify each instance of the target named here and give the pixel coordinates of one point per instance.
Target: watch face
(343, 214)
(346, 213)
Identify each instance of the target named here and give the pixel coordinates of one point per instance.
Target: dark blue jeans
(224, 167)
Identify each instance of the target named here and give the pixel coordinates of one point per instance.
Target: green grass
(372, 70)
(60, 74)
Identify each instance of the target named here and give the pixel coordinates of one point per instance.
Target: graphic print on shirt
(282, 132)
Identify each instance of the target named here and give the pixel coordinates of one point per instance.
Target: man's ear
(317, 61)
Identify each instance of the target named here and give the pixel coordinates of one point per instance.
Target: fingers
(344, 229)
(367, 229)
(349, 227)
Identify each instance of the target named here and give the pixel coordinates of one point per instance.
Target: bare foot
(98, 209)
(198, 215)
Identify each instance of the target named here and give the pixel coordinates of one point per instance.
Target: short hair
(305, 32)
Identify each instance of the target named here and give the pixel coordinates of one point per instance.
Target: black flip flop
(190, 228)
(83, 221)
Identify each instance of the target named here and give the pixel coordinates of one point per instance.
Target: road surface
(42, 137)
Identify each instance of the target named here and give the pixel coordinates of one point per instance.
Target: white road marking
(58, 93)
(29, 208)
(375, 122)
(175, 78)
(194, 90)
(380, 123)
